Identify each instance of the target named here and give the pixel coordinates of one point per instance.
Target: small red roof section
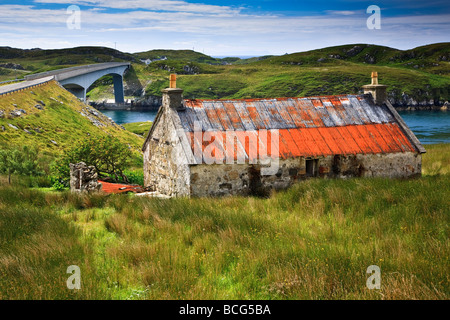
(305, 127)
(108, 187)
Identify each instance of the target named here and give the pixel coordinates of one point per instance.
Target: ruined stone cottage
(250, 146)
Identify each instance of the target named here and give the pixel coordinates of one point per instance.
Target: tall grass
(313, 241)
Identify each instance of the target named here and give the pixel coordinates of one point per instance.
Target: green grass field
(139, 128)
(314, 241)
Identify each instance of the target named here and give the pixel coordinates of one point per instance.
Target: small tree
(107, 154)
(22, 161)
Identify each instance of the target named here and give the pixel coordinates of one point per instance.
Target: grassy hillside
(185, 55)
(53, 120)
(422, 74)
(431, 58)
(139, 128)
(314, 241)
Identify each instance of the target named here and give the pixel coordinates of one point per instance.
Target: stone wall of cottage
(165, 164)
(223, 179)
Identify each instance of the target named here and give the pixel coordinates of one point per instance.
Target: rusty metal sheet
(203, 118)
(351, 111)
(263, 152)
(289, 146)
(250, 141)
(243, 113)
(378, 138)
(306, 127)
(357, 107)
(290, 106)
(387, 113)
(212, 115)
(340, 141)
(291, 143)
(334, 115)
(222, 115)
(380, 112)
(300, 142)
(340, 110)
(216, 152)
(233, 115)
(303, 112)
(310, 142)
(322, 113)
(275, 117)
(390, 139)
(360, 140)
(369, 110)
(191, 117)
(284, 152)
(369, 139)
(264, 114)
(327, 135)
(282, 107)
(307, 112)
(348, 137)
(254, 116)
(402, 138)
(197, 146)
(321, 146)
(311, 106)
(184, 122)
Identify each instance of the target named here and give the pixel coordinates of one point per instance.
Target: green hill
(186, 55)
(432, 58)
(51, 118)
(416, 76)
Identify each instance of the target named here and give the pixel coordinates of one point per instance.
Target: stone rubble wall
(222, 180)
(83, 178)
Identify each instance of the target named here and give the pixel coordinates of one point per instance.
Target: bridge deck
(23, 85)
(66, 73)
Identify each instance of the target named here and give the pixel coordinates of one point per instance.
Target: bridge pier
(118, 88)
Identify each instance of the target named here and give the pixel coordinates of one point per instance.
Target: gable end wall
(165, 164)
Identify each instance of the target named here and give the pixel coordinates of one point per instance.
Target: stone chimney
(173, 96)
(378, 91)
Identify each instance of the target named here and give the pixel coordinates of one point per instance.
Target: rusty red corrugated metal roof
(304, 127)
(108, 187)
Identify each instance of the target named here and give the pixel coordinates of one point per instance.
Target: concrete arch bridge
(78, 79)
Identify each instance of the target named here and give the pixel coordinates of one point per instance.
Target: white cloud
(220, 31)
(156, 5)
(343, 13)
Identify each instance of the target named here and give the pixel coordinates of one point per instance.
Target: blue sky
(222, 28)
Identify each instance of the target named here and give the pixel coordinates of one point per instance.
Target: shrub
(21, 161)
(107, 154)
